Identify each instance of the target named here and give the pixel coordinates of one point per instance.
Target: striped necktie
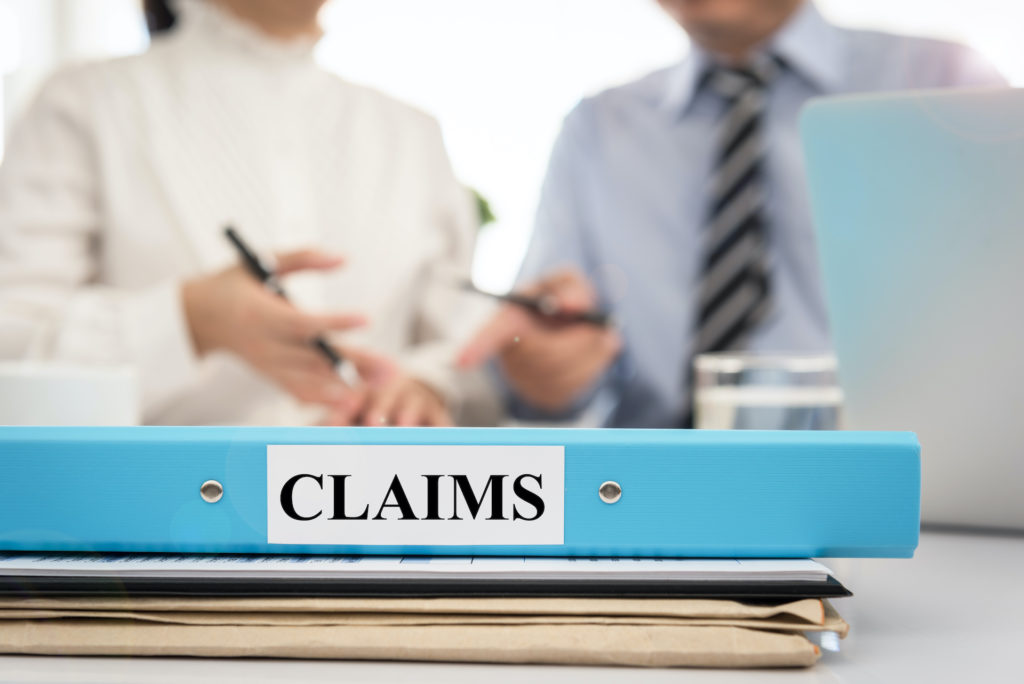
(734, 294)
(735, 286)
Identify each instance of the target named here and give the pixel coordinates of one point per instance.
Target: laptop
(918, 199)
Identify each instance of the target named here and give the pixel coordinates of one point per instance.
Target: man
(678, 203)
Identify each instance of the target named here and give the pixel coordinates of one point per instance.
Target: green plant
(483, 208)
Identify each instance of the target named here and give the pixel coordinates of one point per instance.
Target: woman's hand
(230, 311)
(388, 396)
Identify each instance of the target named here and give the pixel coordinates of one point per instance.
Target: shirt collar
(684, 80)
(808, 45)
(813, 48)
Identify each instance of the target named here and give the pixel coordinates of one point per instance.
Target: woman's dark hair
(159, 16)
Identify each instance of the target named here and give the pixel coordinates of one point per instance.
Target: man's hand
(231, 311)
(387, 396)
(547, 364)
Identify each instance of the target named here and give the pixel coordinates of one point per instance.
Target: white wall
(36, 36)
(499, 75)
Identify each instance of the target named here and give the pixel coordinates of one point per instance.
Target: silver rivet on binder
(610, 492)
(211, 491)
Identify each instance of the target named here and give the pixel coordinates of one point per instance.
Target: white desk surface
(955, 613)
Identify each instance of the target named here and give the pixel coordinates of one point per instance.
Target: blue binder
(658, 493)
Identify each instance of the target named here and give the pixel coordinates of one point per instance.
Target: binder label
(415, 495)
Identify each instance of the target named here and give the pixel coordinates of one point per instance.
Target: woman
(120, 180)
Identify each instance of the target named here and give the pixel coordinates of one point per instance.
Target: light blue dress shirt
(625, 200)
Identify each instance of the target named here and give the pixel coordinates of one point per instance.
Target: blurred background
(499, 76)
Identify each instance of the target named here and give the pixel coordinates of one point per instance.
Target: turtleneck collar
(200, 16)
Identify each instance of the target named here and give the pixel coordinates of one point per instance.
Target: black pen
(252, 263)
(546, 307)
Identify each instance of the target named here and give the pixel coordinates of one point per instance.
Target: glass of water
(766, 392)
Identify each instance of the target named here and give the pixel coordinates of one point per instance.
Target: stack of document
(341, 571)
(630, 547)
(482, 609)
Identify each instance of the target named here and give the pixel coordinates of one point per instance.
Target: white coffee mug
(38, 393)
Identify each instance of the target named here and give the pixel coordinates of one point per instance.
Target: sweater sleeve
(54, 303)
